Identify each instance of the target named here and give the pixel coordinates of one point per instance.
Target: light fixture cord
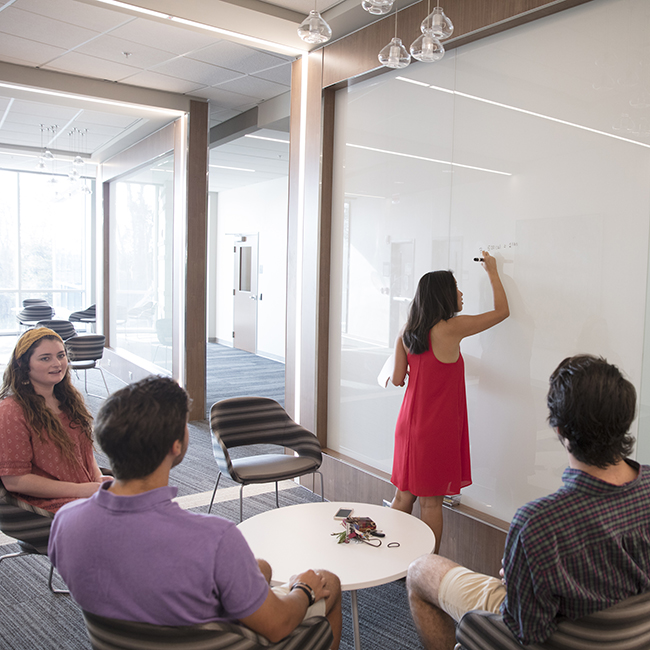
(396, 21)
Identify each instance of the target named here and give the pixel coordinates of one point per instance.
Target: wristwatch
(304, 587)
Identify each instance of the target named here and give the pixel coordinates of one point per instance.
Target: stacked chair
(33, 313)
(64, 328)
(88, 315)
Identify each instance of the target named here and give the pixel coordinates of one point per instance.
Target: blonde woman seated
(46, 447)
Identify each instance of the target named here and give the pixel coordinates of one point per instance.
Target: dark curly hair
(592, 407)
(436, 299)
(137, 425)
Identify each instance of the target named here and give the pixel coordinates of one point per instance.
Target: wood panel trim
(196, 266)
(325, 255)
(356, 54)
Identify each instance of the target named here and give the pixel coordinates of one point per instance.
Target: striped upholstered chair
(625, 626)
(110, 634)
(84, 351)
(243, 421)
(64, 328)
(27, 524)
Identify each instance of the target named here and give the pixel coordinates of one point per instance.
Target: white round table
(293, 539)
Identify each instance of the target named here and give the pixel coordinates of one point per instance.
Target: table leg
(355, 620)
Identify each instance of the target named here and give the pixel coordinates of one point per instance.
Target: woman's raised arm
(462, 326)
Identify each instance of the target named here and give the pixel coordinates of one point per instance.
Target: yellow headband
(30, 337)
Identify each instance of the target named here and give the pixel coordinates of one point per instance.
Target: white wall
(257, 209)
(568, 220)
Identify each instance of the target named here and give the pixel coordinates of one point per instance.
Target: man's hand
(315, 580)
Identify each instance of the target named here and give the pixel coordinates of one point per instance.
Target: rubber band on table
(393, 545)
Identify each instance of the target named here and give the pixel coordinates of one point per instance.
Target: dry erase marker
(479, 259)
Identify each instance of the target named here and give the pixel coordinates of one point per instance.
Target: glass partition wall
(534, 145)
(141, 213)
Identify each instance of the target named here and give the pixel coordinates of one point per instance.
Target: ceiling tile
(176, 39)
(42, 110)
(90, 66)
(76, 13)
(238, 57)
(26, 51)
(110, 48)
(198, 71)
(158, 81)
(227, 99)
(254, 87)
(113, 120)
(45, 30)
(281, 74)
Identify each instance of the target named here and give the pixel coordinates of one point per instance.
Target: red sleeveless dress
(431, 436)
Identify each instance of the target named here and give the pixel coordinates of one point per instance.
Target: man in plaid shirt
(577, 551)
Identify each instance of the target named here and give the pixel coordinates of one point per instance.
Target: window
(45, 246)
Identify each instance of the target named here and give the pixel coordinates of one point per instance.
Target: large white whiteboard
(516, 143)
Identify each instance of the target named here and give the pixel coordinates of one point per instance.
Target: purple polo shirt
(143, 558)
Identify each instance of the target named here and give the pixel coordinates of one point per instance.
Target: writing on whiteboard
(498, 247)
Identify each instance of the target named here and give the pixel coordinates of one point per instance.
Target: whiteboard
(519, 147)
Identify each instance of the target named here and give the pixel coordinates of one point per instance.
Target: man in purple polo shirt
(129, 552)
(575, 552)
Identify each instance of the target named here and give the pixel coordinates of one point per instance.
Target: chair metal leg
(51, 586)
(16, 554)
(277, 503)
(216, 485)
(322, 491)
(241, 503)
(103, 378)
(53, 589)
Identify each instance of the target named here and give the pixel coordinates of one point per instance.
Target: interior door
(245, 294)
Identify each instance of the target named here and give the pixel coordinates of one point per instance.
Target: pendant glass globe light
(314, 29)
(377, 7)
(427, 48)
(394, 55)
(437, 24)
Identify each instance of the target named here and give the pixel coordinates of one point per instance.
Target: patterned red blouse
(22, 452)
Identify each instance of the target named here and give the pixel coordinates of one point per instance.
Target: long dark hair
(436, 299)
(40, 419)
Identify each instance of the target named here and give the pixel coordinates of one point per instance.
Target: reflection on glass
(141, 262)
(498, 155)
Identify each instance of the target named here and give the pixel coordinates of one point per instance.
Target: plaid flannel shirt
(575, 552)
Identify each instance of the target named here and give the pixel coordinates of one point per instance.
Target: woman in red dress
(431, 456)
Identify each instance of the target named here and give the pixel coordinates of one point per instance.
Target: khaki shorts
(462, 590)
(317, 609)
